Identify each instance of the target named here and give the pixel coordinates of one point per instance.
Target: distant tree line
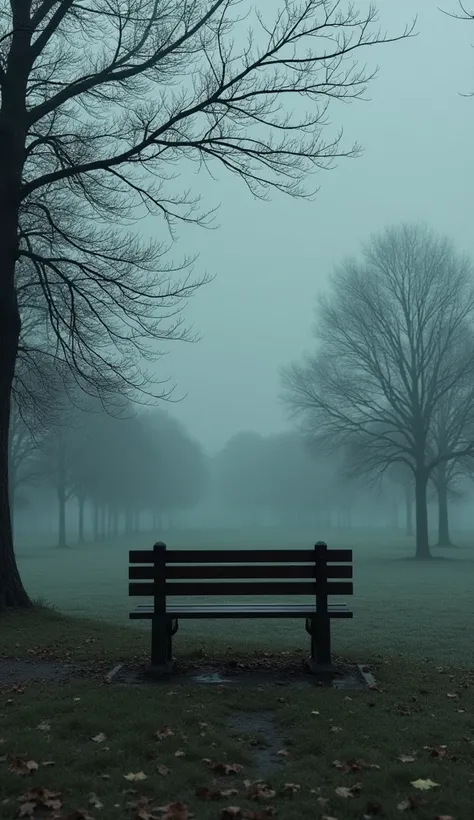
(115, 467)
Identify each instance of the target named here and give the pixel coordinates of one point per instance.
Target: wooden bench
(320, 572)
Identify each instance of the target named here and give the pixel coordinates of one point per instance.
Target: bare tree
(99, 105)
(394, 338)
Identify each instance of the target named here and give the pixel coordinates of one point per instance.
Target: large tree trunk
(421, 508)
(12, 156)
(12, 591)
(443, 522)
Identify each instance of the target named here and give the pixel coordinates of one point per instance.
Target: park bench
(162, 574)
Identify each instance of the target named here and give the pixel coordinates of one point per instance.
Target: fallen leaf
(406, 758)
(424, 785)
(283, 753)
(314, 712)
(327, 817)
(99, 738)
(48, 763)
(135, 776)
(175, 811)
(348, 791)
(438, 751)
(44, 726)
(19, 765)
(411, 803)
(291, 788)
(260, 791)
(27, 809)
(336, 729)
(165, 731)
(38, 797)
(350, 766)
(444, 817)
(94, 801)
(179, 753)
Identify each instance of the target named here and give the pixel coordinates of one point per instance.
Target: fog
(271, 258)
(268, 261)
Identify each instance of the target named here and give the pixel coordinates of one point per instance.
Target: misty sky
(271, 258)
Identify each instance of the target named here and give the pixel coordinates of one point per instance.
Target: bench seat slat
(216, 556)
(183, 572)
(250, 610)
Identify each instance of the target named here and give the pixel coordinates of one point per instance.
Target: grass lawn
(412, 609)
(92, 749)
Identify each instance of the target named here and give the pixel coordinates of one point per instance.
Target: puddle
(263, 738)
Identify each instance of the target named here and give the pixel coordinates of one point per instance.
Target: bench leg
(161, 661)
(320, 630)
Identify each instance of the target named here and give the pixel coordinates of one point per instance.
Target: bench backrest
(319, 571)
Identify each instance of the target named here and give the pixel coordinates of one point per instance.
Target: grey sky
(271, 258)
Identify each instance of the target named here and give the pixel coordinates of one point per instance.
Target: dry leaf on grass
(36, 798)
(164, 732)
(179, 753)
(348, 791)
(94, 801)
(260, 791)
(20, 765)
(424, 785)
(283, 753)
(411, 803)
(99, 738)
(291, 788)
(44, 726)
(135, 776)
(27, 810)
(353, 766)
(175, 811)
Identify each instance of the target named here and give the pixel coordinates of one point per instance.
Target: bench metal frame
(319, 572)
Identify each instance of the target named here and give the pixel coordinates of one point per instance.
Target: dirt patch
(255, 669)
(259, 731)
(17, 671)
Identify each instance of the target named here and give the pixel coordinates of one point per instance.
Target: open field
(400, 606)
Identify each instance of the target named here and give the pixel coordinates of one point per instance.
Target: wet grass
(344, 755)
